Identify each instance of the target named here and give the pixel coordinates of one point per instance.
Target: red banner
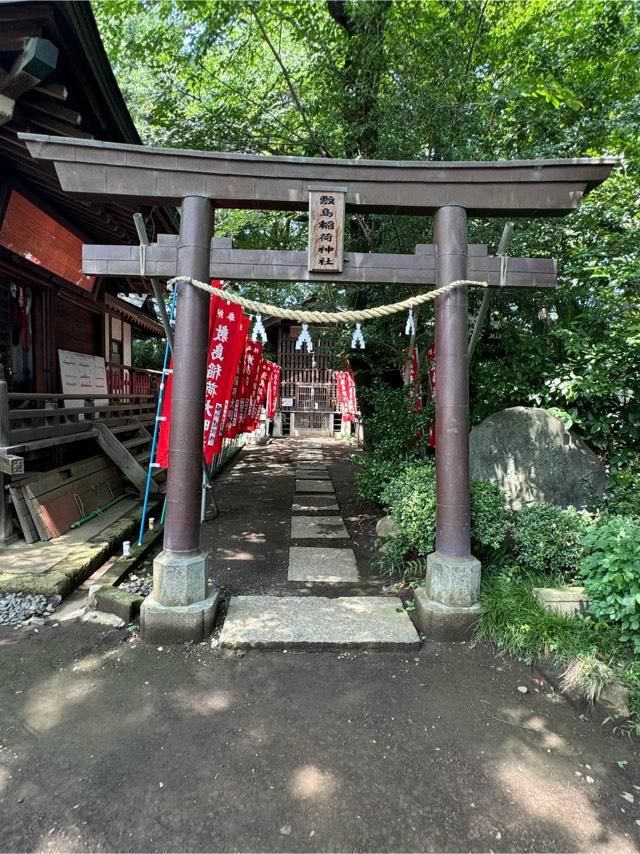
(162, 450)
(273, 389)
(228, 328)
(431, 354)
(258, 396)
(225, 348)
(246, 381)
(347, 401)
(410, 358)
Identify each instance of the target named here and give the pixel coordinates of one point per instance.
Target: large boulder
(531, 455)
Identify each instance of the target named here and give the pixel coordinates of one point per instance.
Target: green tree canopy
(435, 80)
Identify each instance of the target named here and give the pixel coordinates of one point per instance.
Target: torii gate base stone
(180, 607)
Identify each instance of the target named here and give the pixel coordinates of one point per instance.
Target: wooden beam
(133, 174)
(36, 62)
(11, 464)
(125, 461)
(269, 265)
(6, 109)
(53, 90)
(44, 104)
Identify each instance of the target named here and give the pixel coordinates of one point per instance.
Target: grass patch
(513, 620)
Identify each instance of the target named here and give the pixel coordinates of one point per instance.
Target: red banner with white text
(347, 400)
(226, 345)
(273, 389)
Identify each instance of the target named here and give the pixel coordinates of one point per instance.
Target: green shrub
(610, 572)
(622, 495)
(548, 538)
(393, 429)
(373, 474)
(512, 619)
(490, 519)
(411, 499)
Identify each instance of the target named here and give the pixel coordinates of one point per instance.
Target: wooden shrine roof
(55, 77)
(133, 175)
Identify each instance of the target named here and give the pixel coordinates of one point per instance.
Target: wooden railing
(125, 379)
(38, 421)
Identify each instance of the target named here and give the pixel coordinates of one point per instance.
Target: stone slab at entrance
(311, 475)
(316, 527)
(315, 623)
(314, 486)
(322, 565)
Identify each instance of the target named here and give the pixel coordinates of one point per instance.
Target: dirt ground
(108, 744)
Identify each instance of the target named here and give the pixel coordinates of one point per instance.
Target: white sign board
(287, 401)
(84, 375)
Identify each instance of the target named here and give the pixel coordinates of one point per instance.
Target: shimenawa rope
(326, 316)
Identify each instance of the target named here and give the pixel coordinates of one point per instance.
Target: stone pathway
(325, 563)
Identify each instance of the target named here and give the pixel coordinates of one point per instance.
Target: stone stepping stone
(317, 527)
(322, 565)
(314, 466)
(314, 622)
(301, 506)
(312, 475)
(315, 486)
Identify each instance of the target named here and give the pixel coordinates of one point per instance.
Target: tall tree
(436, 79)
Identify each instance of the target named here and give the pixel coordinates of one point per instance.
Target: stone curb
(612, 706)
(107, 597)
(77, 566)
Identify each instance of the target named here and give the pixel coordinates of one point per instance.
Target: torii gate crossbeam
(179, 609)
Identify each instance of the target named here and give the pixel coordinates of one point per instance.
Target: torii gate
(179, 608)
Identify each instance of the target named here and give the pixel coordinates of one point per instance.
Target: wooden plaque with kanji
(326, 230)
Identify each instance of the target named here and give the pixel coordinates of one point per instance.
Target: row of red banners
(238, 381)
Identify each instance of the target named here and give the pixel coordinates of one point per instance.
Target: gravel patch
(138, 584)
(24, 609)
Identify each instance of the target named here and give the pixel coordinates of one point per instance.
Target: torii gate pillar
(179, 608)
(448, 605)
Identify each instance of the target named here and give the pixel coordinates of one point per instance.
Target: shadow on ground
(111, 745)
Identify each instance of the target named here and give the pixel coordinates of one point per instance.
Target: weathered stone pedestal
(180, 609)
(447, 606)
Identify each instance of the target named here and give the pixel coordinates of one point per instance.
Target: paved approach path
(321, 562)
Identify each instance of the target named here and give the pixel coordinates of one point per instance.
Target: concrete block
(122, 603)
(314, 486)
(315, 623)
(441, 623)
(568, 600)
(178, 624)
(322, 565)
(318, 527)
(179, 579)
(453, 582)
